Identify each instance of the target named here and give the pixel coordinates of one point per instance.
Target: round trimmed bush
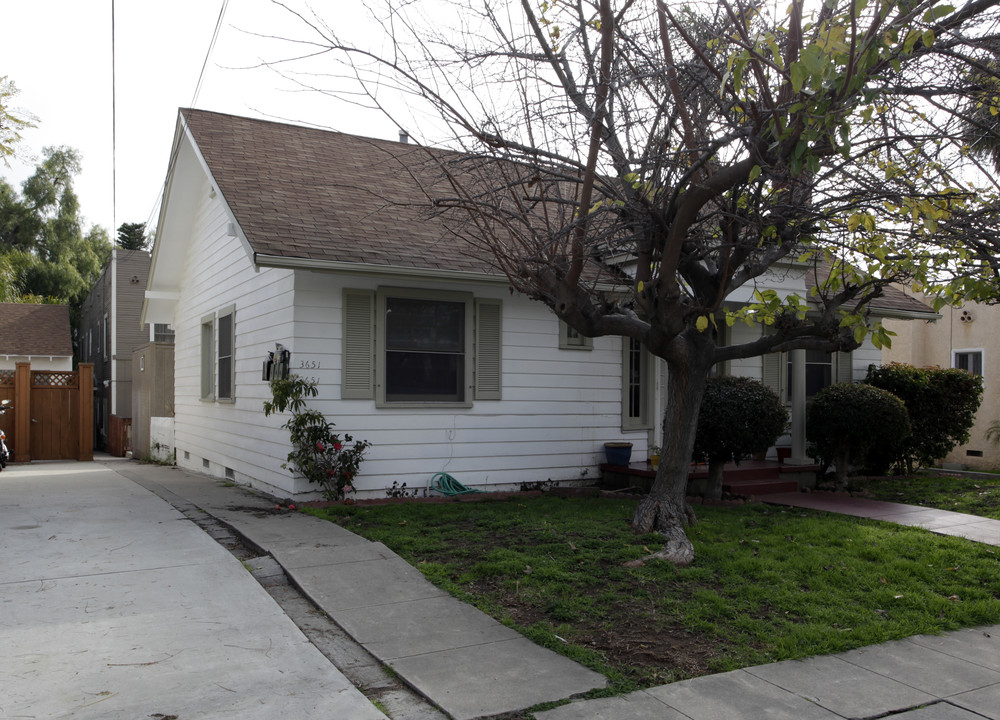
(941, 402)
(845, 421)
(739, 416)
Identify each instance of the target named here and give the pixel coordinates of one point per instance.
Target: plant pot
(654, 461)
(618, 453)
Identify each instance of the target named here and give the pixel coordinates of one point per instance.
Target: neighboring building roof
(893, 302)
(35, 330)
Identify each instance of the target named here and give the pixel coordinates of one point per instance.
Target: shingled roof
(35, 330)
(318, 195)
(299, 192)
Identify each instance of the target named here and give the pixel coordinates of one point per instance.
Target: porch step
(759, 486)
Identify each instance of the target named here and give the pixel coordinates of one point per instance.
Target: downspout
(113, 319)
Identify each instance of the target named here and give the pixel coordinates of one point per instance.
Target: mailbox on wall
(277, 363)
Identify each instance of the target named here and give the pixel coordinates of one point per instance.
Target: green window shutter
(489, 342)
(358, 371)
(845, 367)
(771, 372)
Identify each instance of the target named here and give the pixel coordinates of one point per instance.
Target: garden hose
(447, 485)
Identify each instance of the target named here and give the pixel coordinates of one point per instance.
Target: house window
(425, 348)
(570, 339)
(107, 337)
(822, 369)
(819, 372)
(207, 357)
(162, 333)
(969, 360)
(421, 348)
(226, 329)
(636, 385)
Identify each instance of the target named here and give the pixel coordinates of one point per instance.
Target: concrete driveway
(113, 605)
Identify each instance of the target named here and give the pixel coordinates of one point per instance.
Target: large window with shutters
(406, 347)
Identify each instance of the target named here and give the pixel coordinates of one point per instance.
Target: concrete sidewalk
(461, 659)
(114, 605)
(473, 667)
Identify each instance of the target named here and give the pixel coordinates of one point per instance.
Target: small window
(226, 329)
(162, 333)
(207, 357)
(969, 360)
(570, 339)
(107, 337)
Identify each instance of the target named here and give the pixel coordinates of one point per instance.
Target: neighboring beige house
(36, 334)
(965, 338)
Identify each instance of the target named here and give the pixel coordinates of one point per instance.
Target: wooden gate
(53, 414)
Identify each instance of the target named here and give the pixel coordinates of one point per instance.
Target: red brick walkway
(943, 522)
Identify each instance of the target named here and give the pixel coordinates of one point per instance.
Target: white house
(319, 241)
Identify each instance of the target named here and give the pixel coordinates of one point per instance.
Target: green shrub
(318, 453)
(941, 402)
(738, 417)
(845, 421)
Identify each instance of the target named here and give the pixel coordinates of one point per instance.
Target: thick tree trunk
(664, 510)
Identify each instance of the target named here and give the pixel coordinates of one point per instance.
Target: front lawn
(767, 584)
(973, 495)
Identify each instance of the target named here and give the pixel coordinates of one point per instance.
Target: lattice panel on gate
(53, 379)
(6, 378)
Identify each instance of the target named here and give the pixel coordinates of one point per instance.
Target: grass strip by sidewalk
(974, 495)
(767, 584)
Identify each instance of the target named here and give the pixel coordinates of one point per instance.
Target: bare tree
(633, 164)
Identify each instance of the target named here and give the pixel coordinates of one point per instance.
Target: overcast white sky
(59, 54)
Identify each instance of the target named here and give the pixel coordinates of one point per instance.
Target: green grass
(972, 495)
(767, 584)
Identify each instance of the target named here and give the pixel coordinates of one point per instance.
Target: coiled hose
(447, 485)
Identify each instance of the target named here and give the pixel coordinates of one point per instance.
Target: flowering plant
(324, 457)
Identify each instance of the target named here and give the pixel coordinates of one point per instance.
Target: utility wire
(194, 100)
(114, 128)
(211, 46)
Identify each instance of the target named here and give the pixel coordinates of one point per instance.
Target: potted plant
(654, 456)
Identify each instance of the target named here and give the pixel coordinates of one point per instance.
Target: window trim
(383, 294)
(970, 352)
(208, 357)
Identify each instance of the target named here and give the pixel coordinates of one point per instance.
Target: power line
(114, 127)
(211, 46)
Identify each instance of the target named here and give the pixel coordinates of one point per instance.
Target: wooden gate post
(22, 412)
(85, 383)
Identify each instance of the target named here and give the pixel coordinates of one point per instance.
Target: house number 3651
(309, 364)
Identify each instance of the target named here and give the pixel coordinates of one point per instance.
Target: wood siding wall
(232, 436)
(558, 406)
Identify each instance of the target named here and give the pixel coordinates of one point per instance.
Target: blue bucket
(618, 453)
